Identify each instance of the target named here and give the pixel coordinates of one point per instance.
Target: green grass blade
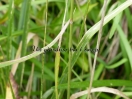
(98, 83)
(10, 29)
(114, 26)
(57, 63)
(117, 64)
(126, 44)
(24, 18)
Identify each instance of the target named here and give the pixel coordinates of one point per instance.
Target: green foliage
(48, 73)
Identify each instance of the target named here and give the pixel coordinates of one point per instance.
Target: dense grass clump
(65, 49)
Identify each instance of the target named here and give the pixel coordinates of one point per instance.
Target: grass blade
(126, 44)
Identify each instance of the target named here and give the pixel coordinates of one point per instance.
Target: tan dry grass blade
(18, 54)
(97, 46)
(29, 83)
(8, 93)
(14, 87)
(99, 89)
(13, 71)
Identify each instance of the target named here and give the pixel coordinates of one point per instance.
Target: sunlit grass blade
(114, 26)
